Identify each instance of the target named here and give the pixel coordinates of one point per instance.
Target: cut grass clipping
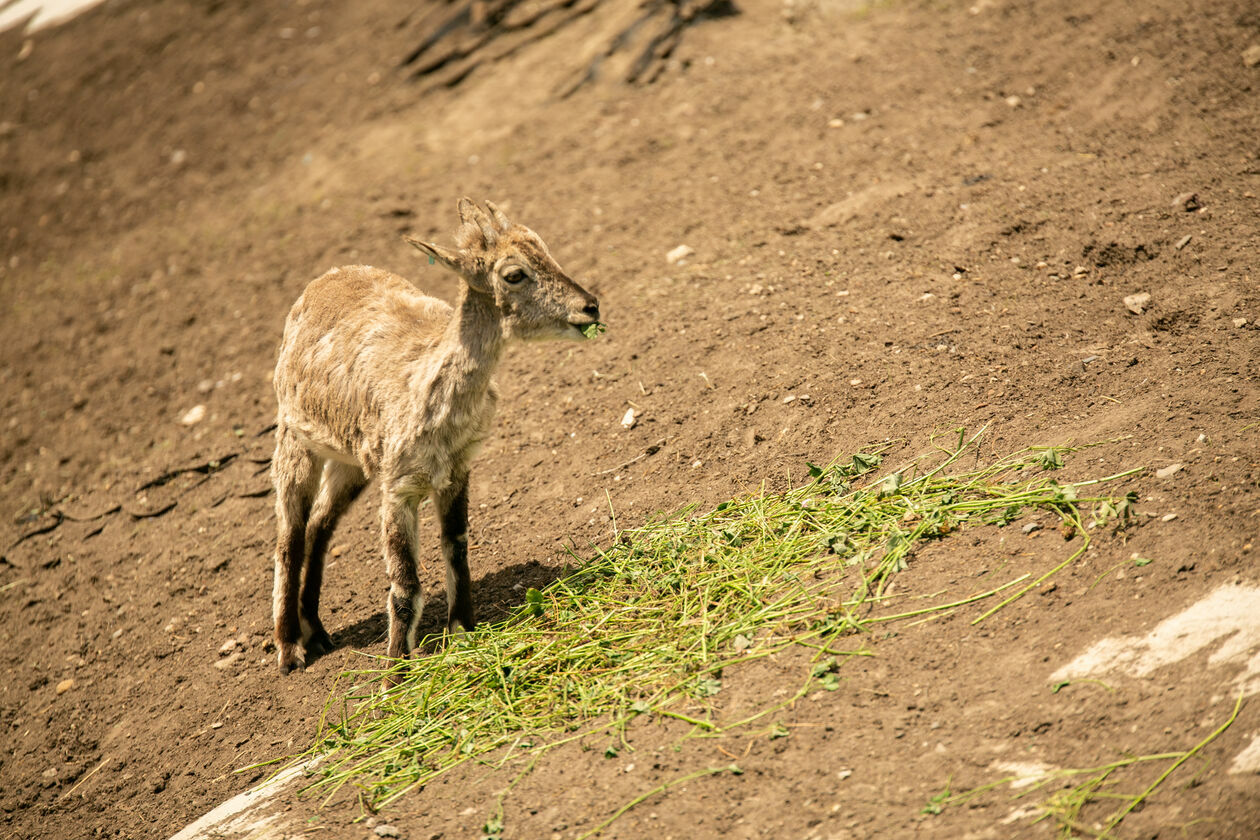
(649, 624)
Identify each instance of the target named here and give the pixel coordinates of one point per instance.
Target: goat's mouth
(589, 329)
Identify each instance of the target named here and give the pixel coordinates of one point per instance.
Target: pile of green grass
(650, 624)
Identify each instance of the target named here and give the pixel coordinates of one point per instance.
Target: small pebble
(628, 421)
(64, 686)
(1171, 469)
(1168, 517)
(385, 830)
(1188, 201)
(1251, 56)
(194, 415)
(229, 661)
(1239, 323)
(1137, 303)
(679, 254)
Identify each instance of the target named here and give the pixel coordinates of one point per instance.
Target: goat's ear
(437, 253)
(457, 261)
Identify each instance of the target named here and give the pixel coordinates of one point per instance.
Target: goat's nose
(592, 309)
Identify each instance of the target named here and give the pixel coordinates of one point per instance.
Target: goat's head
(511, 264)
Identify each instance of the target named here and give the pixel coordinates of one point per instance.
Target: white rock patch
(1231, 613)
(1025, 772)
(246, 815)
(46, 12)
(1247, 761)
(1228, 619)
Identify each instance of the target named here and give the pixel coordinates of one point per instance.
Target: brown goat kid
(376, 380)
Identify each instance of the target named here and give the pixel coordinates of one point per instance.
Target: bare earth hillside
(905, 218)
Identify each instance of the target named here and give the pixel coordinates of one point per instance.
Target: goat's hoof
(319, 643)
(291, 660)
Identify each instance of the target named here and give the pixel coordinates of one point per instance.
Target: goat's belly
(323, 450)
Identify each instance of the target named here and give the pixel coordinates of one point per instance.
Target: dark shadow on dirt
(497, 596)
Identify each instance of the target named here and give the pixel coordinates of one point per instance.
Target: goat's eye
(514, 276)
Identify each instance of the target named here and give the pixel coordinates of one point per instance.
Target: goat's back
(350, 343)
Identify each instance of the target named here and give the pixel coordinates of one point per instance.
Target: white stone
(194, 415)
(1136, 303)
(679, 254)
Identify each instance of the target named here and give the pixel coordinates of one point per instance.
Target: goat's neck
(471, 345)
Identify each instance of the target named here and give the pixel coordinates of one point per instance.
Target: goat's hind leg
(340, 485)
(295, 473)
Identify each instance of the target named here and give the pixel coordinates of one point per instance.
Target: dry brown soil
(911, 217)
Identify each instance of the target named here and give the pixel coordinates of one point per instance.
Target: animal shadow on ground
(497, 596)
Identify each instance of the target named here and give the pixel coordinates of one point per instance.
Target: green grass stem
(690, 777)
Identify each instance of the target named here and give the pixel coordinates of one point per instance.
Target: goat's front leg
(452, 508)
(406, 601)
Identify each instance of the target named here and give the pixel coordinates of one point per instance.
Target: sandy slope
(922, 216)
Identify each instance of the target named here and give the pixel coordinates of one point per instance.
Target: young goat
(376, 380)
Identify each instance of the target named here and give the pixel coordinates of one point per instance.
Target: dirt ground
(908, 217)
